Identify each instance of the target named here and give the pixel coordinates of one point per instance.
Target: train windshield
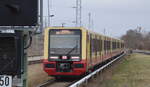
(65, 42)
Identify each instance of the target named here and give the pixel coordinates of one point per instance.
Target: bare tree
(135, 39)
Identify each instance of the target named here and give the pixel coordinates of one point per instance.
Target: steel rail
(47, 83)
(35, 60)
(85, 79)
(141, 51)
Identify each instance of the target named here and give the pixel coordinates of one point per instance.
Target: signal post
(18, 21)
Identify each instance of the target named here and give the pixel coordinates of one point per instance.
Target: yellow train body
(95, 49)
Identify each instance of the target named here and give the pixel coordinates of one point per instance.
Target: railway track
(141, 51)
(34, 60)
(58, 83)
(75, 83)
(83, 82)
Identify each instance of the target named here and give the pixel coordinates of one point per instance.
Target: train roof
(82, 28)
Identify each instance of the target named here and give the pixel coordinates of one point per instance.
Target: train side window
(87, 42)
(91, 45)
(104, 45)
(93, 49)
(114, 45)
(118, 44)
(107, 45)
(98, 44)
(95, 46)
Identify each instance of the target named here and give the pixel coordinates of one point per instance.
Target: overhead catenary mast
(48, 13)
(78, 13)
(49, 6)
(89, 26)
(91, 22)
(41, 16)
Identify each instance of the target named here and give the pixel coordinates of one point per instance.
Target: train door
(91, 44)
(100, 44)
(96, 48)
(88, 55)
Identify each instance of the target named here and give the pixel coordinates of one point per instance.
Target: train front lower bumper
(77, 68)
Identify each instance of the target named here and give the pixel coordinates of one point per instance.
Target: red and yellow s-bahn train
(75, 51)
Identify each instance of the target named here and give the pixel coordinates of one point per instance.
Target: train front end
(64, 52)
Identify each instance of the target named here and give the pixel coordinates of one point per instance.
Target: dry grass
(133, 72)
(36, 75)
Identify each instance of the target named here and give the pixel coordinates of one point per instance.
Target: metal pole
(92, 24)
(76, 13)
(104, 31)
(24, 62)
(48, 14)
(80, 13)
(89, 20)
(41, 15)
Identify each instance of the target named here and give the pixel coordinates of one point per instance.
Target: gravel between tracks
(60, 84)
(36, 75)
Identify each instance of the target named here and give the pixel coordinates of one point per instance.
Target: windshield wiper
(72, 49)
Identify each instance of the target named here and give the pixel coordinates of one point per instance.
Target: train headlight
(75, 57)
(54, 57)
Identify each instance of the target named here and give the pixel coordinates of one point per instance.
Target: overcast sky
(116, 16)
